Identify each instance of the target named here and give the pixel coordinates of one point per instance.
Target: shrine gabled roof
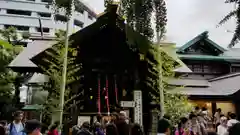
(38, 78)
(110, 17)
(32, 49)
(226, 85)
(201, 36)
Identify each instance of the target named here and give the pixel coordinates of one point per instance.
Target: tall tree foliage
(10, 38)
(236, 14)
(160, 18)
(66, 6)
(139, 14)
(176, 105)
(54, 60)
(7, 78)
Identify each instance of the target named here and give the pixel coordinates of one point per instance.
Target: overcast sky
(188, 18)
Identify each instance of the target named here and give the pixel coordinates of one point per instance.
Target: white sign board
(138, 108)
(82, 119)
(128, 104)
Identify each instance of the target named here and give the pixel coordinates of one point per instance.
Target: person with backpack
(16, 127)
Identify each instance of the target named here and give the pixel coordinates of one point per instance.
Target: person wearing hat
(32, 127)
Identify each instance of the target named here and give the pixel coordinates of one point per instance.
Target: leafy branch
(235, 13)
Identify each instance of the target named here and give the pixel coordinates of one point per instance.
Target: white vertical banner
(138, 114)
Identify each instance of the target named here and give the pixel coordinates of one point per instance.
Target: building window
(206, 69)
(19, 28)
(78, 23)
(47, 1)
(197, 68)
(90, 17)
(61, 18)
(19, 12)
(235, 69)
(46, 15)
(45, 30)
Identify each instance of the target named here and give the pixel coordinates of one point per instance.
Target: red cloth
(53, 132)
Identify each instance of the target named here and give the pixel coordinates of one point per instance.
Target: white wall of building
(32, 20)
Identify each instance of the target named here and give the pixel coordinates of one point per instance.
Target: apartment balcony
(20, 20)
(25, 5)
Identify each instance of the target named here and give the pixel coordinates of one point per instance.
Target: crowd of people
(199, 122)
(118, 124)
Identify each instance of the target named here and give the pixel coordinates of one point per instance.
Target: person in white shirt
(222, 128)
(164, 127)
(232, 120)
(217, 116)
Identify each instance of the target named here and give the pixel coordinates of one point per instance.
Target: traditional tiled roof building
(214, 80)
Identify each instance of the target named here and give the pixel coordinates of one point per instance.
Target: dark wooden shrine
(109, 52)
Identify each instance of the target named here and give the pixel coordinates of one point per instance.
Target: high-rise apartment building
(25, 14)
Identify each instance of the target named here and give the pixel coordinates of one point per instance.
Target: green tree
(7, 77)
(160, 18)
(12, 37)
(139, 13)
(9, 38)
(65, 5)
(176, 105)
(54, 60)
(235, 13)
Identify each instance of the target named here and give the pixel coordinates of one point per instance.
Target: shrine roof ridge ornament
(114, 7)
(203, 35)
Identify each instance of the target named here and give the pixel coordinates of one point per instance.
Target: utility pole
(64, 71)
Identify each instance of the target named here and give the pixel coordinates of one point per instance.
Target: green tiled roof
(201, 36)
(32, 107)
(208, 57)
